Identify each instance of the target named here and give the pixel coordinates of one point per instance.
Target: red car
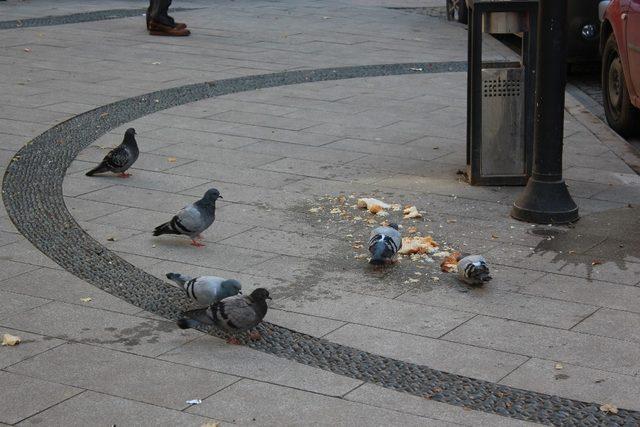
(620, 47)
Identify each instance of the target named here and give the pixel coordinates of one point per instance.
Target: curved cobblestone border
(75, 18)
(32, 193)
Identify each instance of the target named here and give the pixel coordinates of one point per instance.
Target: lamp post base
(544, 202)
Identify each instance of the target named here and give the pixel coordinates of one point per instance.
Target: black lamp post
(546, 199)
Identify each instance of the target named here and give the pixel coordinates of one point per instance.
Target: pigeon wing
(188, 221)
(236, 312)
(117, 158)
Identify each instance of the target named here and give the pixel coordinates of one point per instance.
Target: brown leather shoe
(156, 29)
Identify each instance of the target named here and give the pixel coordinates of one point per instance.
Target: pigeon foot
(124, 175)
(233, 341)
(197, 244)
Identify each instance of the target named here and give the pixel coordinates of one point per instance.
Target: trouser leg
(158, 11)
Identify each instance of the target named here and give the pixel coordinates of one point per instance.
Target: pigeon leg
(124, 175)
(197, 244)
(254, 335)
(233, 341)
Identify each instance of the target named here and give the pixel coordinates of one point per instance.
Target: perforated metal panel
(503, 146)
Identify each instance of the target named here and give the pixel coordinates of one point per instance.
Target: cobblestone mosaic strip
(75, 18)
(32, 193)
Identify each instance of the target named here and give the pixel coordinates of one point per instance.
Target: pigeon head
(212, 195)
(231, 287)
(393, 225)
(129, 137)
(260, 294)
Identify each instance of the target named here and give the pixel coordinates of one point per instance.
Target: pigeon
(120, 158)
(236, 313)
(473, 270)
(384, 244)
(206, 290)
(192, 219)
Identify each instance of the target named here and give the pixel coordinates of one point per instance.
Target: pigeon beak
(268, 297)
(240, 292)
(220, 197)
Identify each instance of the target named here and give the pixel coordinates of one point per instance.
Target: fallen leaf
(86, 299)
(210, 425)
(10, 340)
(315, 210)
(411, 212)
(435, 279)
(450, 263)
(194, 402)
(412, 280)
(493, 236)
(374, 209)
(341, 199)
(27, 49)
(412, 229)
(596, 262)
(111, 239)
(336, 211)
(558, 366)
(156, 63)
(171, 159)
(572, 252)
(103, 115)
(452, 221)
(609, 408)
(360, 256)
(356, 246)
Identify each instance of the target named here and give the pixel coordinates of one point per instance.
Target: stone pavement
(560, 317)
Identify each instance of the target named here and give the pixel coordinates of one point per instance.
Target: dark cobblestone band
(32, 193)
(75, 18)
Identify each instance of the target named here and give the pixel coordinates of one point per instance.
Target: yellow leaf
(172, 159)
(86, 299)
(559, 366)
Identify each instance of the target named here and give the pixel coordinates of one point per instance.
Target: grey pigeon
(120, 158)
(236, 313)
(206, 290)
(384, 244)
(473, 270)
(192, 219)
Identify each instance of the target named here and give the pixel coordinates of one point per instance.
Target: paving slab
(30, 345)
(612, 323)
(249, 401)
(577, 382)
(380, 397)
(59, 285)
(91, 408)
(247, 363)
(390, 315)
(124, 375)
(102, 328)
(548, 343)
(447, 356)
(23, 396)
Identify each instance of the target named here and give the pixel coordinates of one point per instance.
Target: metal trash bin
(500, 95)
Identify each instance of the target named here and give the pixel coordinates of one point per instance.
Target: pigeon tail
(164, 229)
(187, 323)
(378, 252)
(101, 168)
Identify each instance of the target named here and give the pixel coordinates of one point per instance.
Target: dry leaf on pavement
(609, 408)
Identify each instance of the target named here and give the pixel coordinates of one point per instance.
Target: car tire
(621, 115)
(457, 11)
